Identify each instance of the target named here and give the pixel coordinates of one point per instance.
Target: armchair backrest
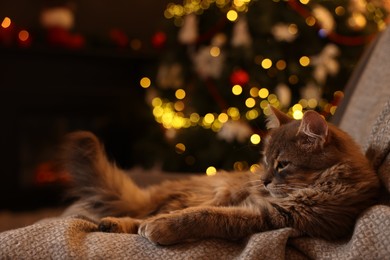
(367, 91)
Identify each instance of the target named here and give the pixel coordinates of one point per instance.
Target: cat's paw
(110, 225)
(119, 225)
(162, 230)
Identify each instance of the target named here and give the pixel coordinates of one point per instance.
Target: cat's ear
(277, 118)
(314, 126)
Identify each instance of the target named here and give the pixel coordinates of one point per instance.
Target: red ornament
(119, 38)
(61, 37)
(159, 39)
(239, 77)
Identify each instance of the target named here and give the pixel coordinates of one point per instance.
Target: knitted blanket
(77, 237)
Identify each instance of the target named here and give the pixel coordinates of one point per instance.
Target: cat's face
(296, 152)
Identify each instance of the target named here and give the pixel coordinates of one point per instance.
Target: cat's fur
(315, 179)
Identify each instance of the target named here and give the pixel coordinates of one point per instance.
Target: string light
(215, 51)
(304, 61)
(255, 139)
(6, 22)
(266, 63)
(180, 148)
(232, 15)
(281, 64)
(254, 92)
(145, 82)
(263, 93)
(211, 170)
(180, 94)
(236, 90)
(250, 102)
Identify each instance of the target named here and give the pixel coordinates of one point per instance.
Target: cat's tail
(100, 185)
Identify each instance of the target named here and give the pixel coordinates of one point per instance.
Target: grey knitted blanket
(76, 237)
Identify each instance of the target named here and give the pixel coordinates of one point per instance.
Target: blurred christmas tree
(223, 62)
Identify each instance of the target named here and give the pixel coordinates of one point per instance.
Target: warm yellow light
(272, 98)
(194, 117)
(232, 15)
(180, 94)
(254, 92)
(145, 82)
(267, 111)
(252, 114)
(23, 35)
(178, 121)
(255, 139)
(237, 90)
(333, 109)
(310, 21)
(180, 148)
(297, 114)
(266, 63)
(339, 10)
(263, 93)
(233, 112)
(223, 117)
(216, 126)
(178, 10)
(250, 102)
(166, 119)
(156, 102)
(304, 61)
(168, 14)
(357, 20)
(215, 51)
(209, 118)
(281, 64)
(210, 171)
(297, 107)
(312, 103)
(187, 123)
(293, 28)
(264, 104)
(179, 106)
(238, 3)
(303, 102)
(158, 111)
(6, 22)
(255, 168)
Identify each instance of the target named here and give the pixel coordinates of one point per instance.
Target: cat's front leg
(201, 222)
(119, 225)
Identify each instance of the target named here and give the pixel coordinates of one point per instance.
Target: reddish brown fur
(315, 180)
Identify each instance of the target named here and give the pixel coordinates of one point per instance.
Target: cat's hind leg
(119, 225)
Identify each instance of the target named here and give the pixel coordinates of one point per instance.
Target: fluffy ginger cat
(315, 179)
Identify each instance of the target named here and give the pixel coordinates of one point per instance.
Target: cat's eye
(281, 165)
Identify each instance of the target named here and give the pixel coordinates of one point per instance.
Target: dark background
(46, 92)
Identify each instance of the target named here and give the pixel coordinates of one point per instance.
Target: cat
(314, 178)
